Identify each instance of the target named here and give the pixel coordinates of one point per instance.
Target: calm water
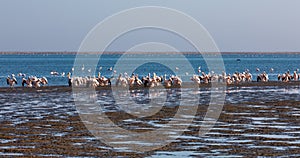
(43, 64)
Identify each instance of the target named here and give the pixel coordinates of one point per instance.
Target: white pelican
(177, 81)
(196, 79)
(263, 77)
(248, 76)
(22, 74)
(54, 73)
(35, 82)
(167, 82)
(228, 79)
(121, 81)
(43, 80)
(11, 81)
(295, 76)
(27, 82)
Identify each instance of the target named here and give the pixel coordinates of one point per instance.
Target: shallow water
(42, 64)
(254, 121)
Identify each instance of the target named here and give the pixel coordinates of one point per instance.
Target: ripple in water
(261, 120)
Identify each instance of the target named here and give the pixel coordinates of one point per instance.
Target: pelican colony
(152, 80)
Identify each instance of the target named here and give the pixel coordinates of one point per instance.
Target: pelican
(263, 77)
(22, 74)
(196, 79)
(205, 77)
(295, 76)
(92, 82)
(135, 81)
(82, 68)
(176, 80)
(28, 82)
(35, 82)
(11, 81)
(279, 77)
(54, 73)
(228, 79)
(121, 81)
(43, 80)
(103, 81)
(167, 82)
(248, 77)
(286, 77)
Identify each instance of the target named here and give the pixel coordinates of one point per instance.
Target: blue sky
(235, 25)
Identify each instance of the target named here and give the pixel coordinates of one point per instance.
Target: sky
(235, 25)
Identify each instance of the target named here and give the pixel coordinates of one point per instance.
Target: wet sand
(35, 124)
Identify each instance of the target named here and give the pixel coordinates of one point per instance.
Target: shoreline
(120, 53)
(65, 88)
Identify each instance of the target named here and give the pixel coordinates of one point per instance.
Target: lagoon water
(42, 64)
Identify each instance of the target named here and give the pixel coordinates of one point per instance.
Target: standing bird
(43, 80)
(11, 81)
(28, 82)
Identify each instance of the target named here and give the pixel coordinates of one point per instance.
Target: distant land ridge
(71, 52)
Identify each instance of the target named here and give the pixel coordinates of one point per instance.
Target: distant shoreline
(74, 53)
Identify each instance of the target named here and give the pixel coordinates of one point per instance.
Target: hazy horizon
(236, 26)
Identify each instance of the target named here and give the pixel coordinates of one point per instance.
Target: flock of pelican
(286, 77)
(124, 80)
(228, 79)
(153, 80)
(31, 81)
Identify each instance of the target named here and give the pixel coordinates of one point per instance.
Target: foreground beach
(258, 119)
